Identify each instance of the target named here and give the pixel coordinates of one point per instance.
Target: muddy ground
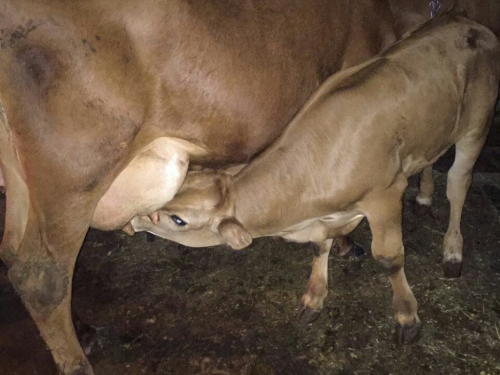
(161, 308)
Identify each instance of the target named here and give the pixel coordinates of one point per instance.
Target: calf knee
(42, 284)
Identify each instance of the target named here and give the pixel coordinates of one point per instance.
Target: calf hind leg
(459, 180)
(384, 212)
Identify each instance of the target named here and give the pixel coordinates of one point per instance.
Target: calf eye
(177, 220)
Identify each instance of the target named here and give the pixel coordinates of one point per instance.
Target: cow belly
(146, 184)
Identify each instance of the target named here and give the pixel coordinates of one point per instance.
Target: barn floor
(161, 308)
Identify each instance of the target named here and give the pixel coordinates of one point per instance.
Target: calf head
(204, 202)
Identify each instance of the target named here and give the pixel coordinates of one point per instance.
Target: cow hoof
(84, 369)
(452, 270)
(422, 210)
(355, 252)
(407, 333)
(150, 237)
(306, 314)
(87, 335)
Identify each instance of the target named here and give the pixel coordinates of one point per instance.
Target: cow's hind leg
(317, 286)
(42, 272)
(459, 180)
(426, 190)
(384, 212)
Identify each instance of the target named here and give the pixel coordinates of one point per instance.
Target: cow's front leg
(384, 216)
(317, 286)
(41, 272)
(426, 190)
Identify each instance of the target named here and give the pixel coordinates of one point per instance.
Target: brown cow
(348, 153)
(104, 103)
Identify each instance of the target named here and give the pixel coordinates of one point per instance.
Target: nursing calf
(348, 153)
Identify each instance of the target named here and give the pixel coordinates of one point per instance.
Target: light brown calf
(348, 153)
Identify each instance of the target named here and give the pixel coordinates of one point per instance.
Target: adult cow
(104, 104)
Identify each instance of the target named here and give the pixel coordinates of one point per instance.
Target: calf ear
(232, 232)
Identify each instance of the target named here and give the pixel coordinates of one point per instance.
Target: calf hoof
(407, 333)
(306, 314)
(452, 269)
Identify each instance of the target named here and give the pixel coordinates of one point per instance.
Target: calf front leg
(384, 212)
(317, 286)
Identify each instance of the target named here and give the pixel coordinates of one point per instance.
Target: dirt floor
(160, 308)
